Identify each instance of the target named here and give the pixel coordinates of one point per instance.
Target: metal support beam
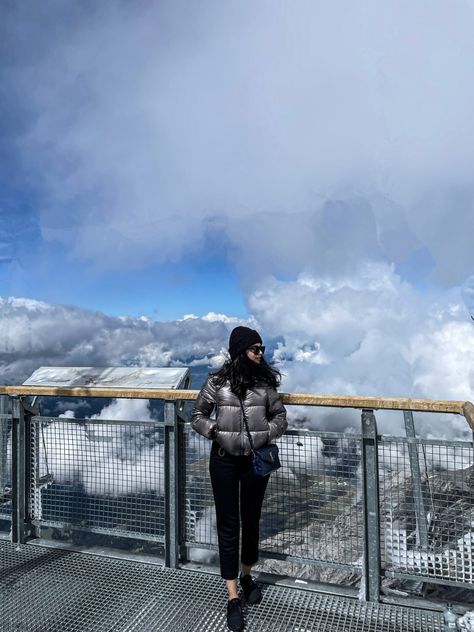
(3, 442)
(22, 529)
(171, 486)
(370, 474)
(418, 496)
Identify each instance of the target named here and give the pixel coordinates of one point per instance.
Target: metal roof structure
(125, 377)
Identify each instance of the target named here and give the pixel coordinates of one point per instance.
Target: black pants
(238, 496)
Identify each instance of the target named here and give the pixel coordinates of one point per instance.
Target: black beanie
(242, 338)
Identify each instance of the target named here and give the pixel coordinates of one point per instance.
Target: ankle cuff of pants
(249, 563)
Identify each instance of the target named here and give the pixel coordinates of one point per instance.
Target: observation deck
(108, 524)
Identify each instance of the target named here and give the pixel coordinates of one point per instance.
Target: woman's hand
(276, 415)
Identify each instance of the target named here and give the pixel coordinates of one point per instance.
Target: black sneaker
(252, 592)
(235, 618)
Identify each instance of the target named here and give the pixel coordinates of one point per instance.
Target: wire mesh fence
(310, 510)
(114, 478)
(313, 512)
(427, 520)
(5, 473)
(98, 476)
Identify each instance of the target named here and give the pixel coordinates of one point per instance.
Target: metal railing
(345, 507)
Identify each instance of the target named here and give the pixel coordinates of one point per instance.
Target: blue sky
(165, 292)
(31, 267)
(162, 292)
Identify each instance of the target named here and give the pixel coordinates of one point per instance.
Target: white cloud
(367, 334)
(35, 334)
(370, 334)
(125, 409)
(223, 318)
(104, 459)
(67, 448)
(314, 136)
(110, 460)
(107, 474)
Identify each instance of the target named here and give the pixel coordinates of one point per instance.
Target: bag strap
(246, 425)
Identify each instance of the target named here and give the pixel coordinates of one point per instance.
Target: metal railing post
(171, 486)
(370, 475)
(3, 443)
(22, 529)
(420, 509)
(418, 495)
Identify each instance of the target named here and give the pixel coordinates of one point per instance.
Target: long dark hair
(243, 374)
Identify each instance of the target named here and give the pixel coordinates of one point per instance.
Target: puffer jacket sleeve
(276, 415)
(205, 403)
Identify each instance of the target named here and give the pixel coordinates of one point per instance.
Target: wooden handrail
(295, 399)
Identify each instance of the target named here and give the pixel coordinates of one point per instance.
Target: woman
(244, 385)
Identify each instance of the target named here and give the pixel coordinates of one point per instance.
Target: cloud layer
(367, 334)
(35, 333)
(370, 333)
(328, 134)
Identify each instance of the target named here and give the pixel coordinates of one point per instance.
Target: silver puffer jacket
(264, 412)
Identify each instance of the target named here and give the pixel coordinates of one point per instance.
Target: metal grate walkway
(51, 590)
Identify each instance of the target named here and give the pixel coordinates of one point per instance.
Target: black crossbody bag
(265, 460)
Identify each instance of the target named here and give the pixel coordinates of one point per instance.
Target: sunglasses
(256, 350)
